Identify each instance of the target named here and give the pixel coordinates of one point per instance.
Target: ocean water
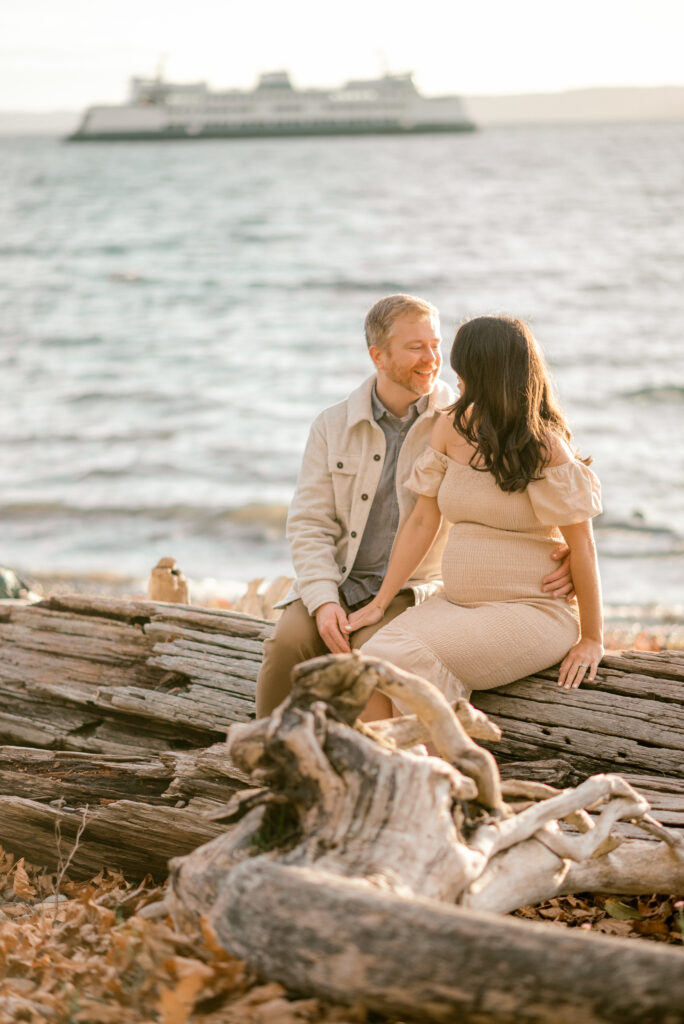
(173, 315)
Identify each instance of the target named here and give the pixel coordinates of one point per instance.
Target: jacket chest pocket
(343, 470)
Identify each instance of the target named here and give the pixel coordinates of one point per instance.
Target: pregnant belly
(483, 564)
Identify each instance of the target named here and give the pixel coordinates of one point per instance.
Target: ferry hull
(276, 131)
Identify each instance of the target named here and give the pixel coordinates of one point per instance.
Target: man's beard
(408, 379)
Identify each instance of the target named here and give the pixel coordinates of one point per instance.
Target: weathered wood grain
(135, 837)
(175, 657)
(427, 961)
(80, 778)
(184, 681)
(622, 721)
(651, 663)
(162, 632)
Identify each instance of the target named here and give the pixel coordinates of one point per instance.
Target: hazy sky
(66, 54)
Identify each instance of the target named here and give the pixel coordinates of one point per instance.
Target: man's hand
(331, 622)
(559, 582)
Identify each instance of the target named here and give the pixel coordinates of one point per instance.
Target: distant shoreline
(620, 104)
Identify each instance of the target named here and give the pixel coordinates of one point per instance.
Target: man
(350, 500)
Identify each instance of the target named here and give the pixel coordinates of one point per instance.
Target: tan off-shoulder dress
(491, 624)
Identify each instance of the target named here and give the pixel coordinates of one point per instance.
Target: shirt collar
(359, 407)
(414, 410)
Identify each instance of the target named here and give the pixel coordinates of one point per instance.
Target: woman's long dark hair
(507, 408)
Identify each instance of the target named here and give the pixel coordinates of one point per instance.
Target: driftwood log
(356, 856)
(117, 711)
(114, 713)
(327, 854)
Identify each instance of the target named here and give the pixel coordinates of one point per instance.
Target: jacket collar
(359, 406)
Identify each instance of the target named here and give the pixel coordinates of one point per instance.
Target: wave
(118, 396)
(64, 341)
(663, 393)
(270, 516)
(139, 435)
(634, 525)
(352, 284)
(634, 538)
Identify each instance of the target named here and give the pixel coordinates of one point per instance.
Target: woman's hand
(586, 654)
(560, 581)
(366, 616)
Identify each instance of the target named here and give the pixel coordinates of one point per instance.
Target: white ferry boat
(162, 110)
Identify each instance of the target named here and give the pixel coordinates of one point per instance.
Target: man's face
(411, 356)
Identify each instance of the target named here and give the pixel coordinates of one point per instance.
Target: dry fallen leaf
(176, 1004)
(609, 926)
(655, 926)
(20, 884)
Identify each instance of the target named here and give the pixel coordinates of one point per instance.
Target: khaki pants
(296, 639)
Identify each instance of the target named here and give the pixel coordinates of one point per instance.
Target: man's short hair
(381, 317)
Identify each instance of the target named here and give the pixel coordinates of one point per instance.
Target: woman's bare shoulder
(442, 431)
(445, 438)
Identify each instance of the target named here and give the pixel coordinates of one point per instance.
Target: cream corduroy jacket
(339, 475)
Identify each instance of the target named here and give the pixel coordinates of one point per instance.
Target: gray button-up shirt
(374, 551)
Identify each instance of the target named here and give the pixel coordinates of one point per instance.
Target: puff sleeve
(568, 494)
(427, 473)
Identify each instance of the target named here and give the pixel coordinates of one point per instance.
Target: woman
(500, 469)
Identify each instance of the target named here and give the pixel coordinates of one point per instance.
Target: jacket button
(364, 497)
(340, 465)
(353, 533)
(377, 458)
(344, 568)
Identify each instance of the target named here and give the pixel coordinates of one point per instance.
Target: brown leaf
(94, 1009)
(609, 926)
(17, 910)
(184, 966)
(653, 926)
(176, 1004)
(20, 884)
